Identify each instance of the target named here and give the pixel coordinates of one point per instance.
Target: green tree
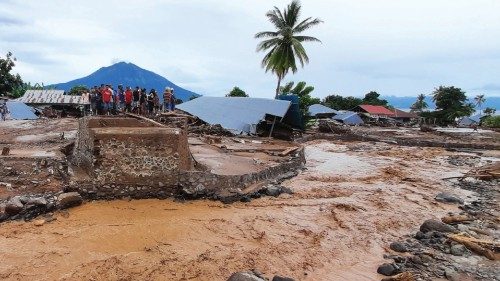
(304, 94)
(8, 81)
(479, 100)
(341, 103)
(451, 103)
(78, 90)
(21, 89)
(284, 45)
(373, 99)
(237, 92)
(492, 121)
(420, 104)
(489, 111)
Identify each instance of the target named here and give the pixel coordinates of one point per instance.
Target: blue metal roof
(320, 109)
(20, 111)
(348, 117)
(237, 114)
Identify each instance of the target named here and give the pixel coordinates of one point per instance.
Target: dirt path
(347, 208)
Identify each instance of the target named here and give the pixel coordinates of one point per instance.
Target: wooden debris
(5, 151)
(487, 172)
(475, 246)
(405, 276)
(455, 219)
(287, 151)
(145, 118)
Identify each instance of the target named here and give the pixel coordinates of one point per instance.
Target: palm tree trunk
(278, 87)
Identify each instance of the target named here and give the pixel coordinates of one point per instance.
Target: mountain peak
(127, 74)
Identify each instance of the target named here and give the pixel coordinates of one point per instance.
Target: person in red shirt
(106, 99)
(128, 99)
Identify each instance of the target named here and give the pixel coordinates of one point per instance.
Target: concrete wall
(127, 151)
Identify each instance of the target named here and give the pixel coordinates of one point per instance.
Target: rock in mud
(448, 198)
(39, 222)
(14, 206)
(69, 199)
(273, 190)
(244, 276)
(38, 201)
(458, 250)
(451, 274)
(198, 190)
(280, 278)
(398, 247)
(434, 225)
(387, 269)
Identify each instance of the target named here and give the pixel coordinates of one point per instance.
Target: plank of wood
(146, 119)
(287, 151)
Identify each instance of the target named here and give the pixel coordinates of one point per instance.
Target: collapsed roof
(316, 109)
(51, 97)
(20, 111)
(349, 118)
(237, 114)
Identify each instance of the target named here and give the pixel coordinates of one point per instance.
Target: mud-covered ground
(351, 202)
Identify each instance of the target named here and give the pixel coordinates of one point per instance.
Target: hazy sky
(396, 47)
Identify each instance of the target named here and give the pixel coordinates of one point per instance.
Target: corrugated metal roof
(404, 114)
(320, 109)
(20, 111)
(348, 117)
(50, 97)
(376, 109)
(237, 114)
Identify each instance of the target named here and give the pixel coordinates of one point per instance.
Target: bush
(492, 121)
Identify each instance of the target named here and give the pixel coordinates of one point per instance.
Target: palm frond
(306, 24)
(307, 39)
(266, 34)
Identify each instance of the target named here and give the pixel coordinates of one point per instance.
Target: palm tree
(479, 99)
(284, 45)
(419, 104)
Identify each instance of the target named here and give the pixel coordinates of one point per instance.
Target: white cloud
(394, 47)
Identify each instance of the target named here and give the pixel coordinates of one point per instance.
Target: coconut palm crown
(284, 46)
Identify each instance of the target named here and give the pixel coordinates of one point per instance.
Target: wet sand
(346, 209)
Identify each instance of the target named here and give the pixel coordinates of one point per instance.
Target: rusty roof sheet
(376, 109)
(51, 97)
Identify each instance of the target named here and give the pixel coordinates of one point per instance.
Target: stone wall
(128, 152)
(202, 182)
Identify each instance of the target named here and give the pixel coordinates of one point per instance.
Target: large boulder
(434, 225)
(69, 199)
(14, 206)
(244, 276)
(387, 269)
(281, 278)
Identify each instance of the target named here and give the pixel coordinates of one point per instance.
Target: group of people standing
(4, 111)
(106, 100)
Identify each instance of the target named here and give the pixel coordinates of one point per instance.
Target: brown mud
(351, 202)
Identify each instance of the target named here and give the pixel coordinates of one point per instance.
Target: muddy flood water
(345, 210)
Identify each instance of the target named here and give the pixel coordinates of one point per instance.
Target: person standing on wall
(167, 99)
(128, 99)
(107, 96)
(136, 96)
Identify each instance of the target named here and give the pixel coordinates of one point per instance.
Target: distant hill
(128, 74)
(406, 102)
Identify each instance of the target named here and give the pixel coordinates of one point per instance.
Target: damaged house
(53, 102)
(240, 115)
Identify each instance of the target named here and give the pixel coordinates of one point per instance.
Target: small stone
(434, 225)
(458, 250)
(280, 278)
(398, 247)
(448, 198)
(386, 269)
(69, 199)
(273, 190)
(38, 201)
(14, 206)
(451, 274)
(244, 276)
(39, 222)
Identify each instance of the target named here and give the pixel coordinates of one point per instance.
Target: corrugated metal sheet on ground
(320, 109)
(237, 114)
(20, 111)
(50, 97)
(349, 118)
